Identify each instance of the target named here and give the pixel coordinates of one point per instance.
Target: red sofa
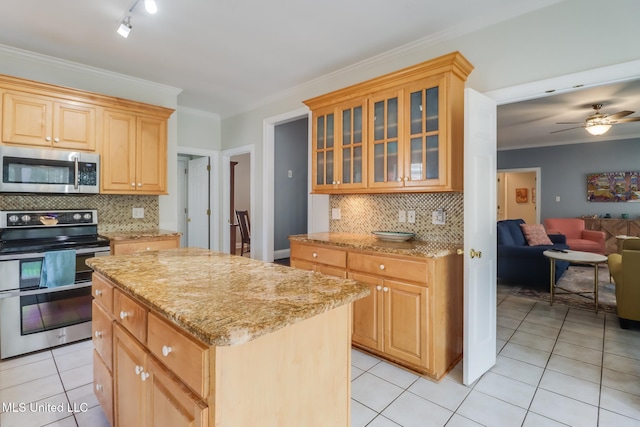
(578, 238)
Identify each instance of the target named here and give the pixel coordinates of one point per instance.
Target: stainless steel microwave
(35, 170)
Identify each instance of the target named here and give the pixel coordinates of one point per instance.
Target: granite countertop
(225, 299)
(371, 243)
(140, 234)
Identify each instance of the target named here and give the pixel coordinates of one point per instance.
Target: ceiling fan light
(151, 6)
(598, 129)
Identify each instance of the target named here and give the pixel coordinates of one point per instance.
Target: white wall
(567, 37)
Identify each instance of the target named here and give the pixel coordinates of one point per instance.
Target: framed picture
(533, 194)
(522, 195)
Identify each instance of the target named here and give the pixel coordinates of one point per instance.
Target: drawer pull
(99, 387)
(139, 369)
(148, 248)
(166, 350)
(123, 315)
(98, 292)
(144, 376)
(382, 267)
(98, 334)
(385, 289)
(315, 255)
(379, 287)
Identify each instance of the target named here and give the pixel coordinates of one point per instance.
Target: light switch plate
(439, 217)
(411, 217)
(402, 216)
(335, 213)
(138, 212)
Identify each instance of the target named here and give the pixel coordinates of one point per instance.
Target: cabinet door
(130, 391)
(425, 160)
(405, 322)
(27, 119)
(118, 153)
(367, 313)
(171, 404)
(151, 156)
(324, 151)
(103, 386)
(352, 137)
(385, 136)
(74, 126)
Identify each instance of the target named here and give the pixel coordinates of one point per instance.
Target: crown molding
(196, 112)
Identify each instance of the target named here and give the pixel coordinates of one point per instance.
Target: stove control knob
(13, 218)
(25, 218)
(77, 216)
(87, 216)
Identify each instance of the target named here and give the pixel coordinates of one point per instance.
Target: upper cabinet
(401, 132)
(131, 137)
(42, 121)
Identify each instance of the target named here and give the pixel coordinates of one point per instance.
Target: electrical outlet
(290, 173)
(411, 217)
(335, 213)
(138, 213)
(438, 217)
(402, 216)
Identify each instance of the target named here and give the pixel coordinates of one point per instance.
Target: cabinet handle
(166, 349)
(148, 248)
(133, 184)
(385, 289)
(123, 314)
(406, 178)
(139, 369)
(379, 287)
(338, 182)
(334, 183)
(98, 292)
(144, 376)
(56, 139)
(98, 334)
(139, 184)
(382, 267)
(315, 255)
(99, 387)
(399, 179)
(47, 138)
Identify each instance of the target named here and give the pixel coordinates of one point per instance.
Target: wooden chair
(245, 230)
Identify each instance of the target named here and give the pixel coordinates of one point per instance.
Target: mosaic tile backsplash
(114, 211)
(364, 213)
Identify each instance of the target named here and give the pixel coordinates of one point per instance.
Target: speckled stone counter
(143, 234)
(223, 299)
(371, 243)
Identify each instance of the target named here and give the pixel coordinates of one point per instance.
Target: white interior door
(480, 241)
(198, 203)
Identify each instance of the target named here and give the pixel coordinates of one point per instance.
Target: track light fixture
(125, 25)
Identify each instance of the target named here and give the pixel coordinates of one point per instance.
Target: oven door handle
(17, 293)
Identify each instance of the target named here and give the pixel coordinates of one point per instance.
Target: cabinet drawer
(102, 291)
(102, 332)
(131, 315)
(129, 246)
(319, 255)
(414, 271)
(187, 358)
(103, 386)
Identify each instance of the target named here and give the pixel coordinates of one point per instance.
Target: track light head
(151, 6)
(125, 27)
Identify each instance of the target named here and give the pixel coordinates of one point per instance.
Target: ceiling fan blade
(569, 123)
(627, 120)
(618, 115)
(562, 130)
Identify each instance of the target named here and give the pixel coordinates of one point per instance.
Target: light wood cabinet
(129, 246)
(134, 154)
(413, 315)
(102, 320)
(42, 121)
(412, 131)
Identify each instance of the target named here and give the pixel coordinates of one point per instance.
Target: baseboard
(282, 253)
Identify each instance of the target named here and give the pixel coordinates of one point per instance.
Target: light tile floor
(555, 367)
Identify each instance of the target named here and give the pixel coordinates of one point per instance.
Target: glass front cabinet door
(324, 150)
(385, 135)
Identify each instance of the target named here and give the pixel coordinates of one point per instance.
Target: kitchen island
(195, 337)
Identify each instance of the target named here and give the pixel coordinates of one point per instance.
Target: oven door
(43, 318)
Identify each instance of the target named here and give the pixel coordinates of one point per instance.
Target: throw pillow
(535, 234)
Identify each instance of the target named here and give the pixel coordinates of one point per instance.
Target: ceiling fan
(598, 123)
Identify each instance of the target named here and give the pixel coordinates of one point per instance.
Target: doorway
(239, 196)
(518, 195)
(243, 195)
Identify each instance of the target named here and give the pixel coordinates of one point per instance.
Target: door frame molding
(226, 182)
(214, 185)
(268, 170)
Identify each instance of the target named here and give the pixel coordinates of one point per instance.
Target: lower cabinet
(149, 395)
(128, 246)
(413, 314)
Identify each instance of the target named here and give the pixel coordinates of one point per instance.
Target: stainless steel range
(33, 317)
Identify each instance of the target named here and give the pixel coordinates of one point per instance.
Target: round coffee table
(574, 257)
